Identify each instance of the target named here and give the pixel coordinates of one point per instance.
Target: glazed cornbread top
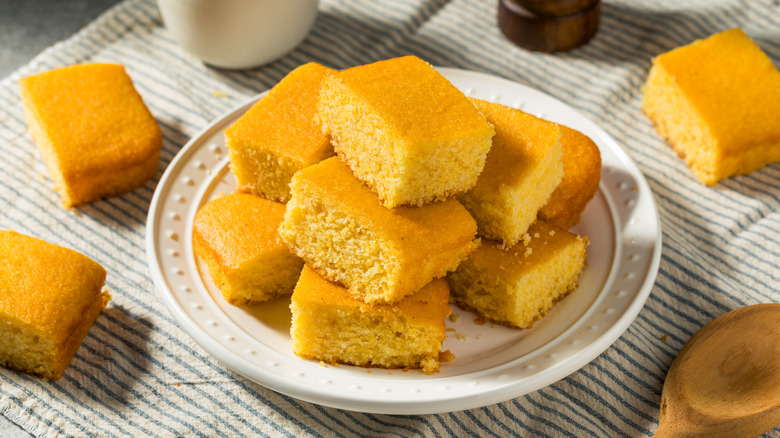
(410, 97)
(404, 130)
(420, 231)
(224, 224)
(510, 263)
(283, 121)
(429, 304)
(91, 117)
(732, 84)
(521, 142)
(46, 286)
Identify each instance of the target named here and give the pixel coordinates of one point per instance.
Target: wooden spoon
(726, 379)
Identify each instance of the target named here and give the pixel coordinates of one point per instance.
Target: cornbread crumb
(330, 325)
(454, 317)
(503, 288)
(236, 235)
(446, 356)
(716, 102)
(49, 298)
(404, 130)
(93, 130)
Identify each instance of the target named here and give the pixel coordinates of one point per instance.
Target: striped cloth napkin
(138, 374)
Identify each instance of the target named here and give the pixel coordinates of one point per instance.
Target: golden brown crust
(49, 298)
(581, 175)
(93, 130)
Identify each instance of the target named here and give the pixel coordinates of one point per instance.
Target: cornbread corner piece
(339, 228)
(49, 298)
(404, 130)
(237, 236)
(93, 130)
(716, 101)
(517, 286)
(278, 136)
(523, 169)
(330, 325)
(581, 175)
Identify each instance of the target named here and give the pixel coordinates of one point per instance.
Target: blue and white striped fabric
(138, 374)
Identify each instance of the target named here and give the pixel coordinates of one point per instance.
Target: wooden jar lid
(549, 25)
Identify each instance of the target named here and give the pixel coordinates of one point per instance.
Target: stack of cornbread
(422, 177)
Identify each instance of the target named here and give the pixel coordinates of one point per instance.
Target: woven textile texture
(138, 374)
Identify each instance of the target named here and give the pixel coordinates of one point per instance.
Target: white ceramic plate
(492, 363)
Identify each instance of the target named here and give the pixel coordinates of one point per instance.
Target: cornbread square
(581, 175)
(278, 135)
(523, 169)
(49, 298)
(517, 286)
(236, 235)
(93, 130)
(331, 325)
(404, 130)
(716, 101)
(340, 229)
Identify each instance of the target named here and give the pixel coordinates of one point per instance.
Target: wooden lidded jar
(549, 25)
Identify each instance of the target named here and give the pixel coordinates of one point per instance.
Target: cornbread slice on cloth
(716, 101)
(278, 136)
(237, 236)
(340, 228)
(93, 130)
(523, 169)
(519, 285)
(49, 298)
(404, 130)
(331, 325)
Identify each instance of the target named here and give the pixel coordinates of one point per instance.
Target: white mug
(238, 34)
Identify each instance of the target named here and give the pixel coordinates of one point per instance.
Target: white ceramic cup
(238, 34)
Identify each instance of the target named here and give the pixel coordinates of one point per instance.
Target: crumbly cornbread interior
(404, 130)
(330, 325)
(519, 285)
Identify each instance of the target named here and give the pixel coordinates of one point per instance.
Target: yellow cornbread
(278, 135)
(339, 227)
(523, 168)
(404, 130)
(94, 132)
(716, 101)
(330, 325)
(581, 174)
(49, 298)
(237, 237)
(518, 285)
